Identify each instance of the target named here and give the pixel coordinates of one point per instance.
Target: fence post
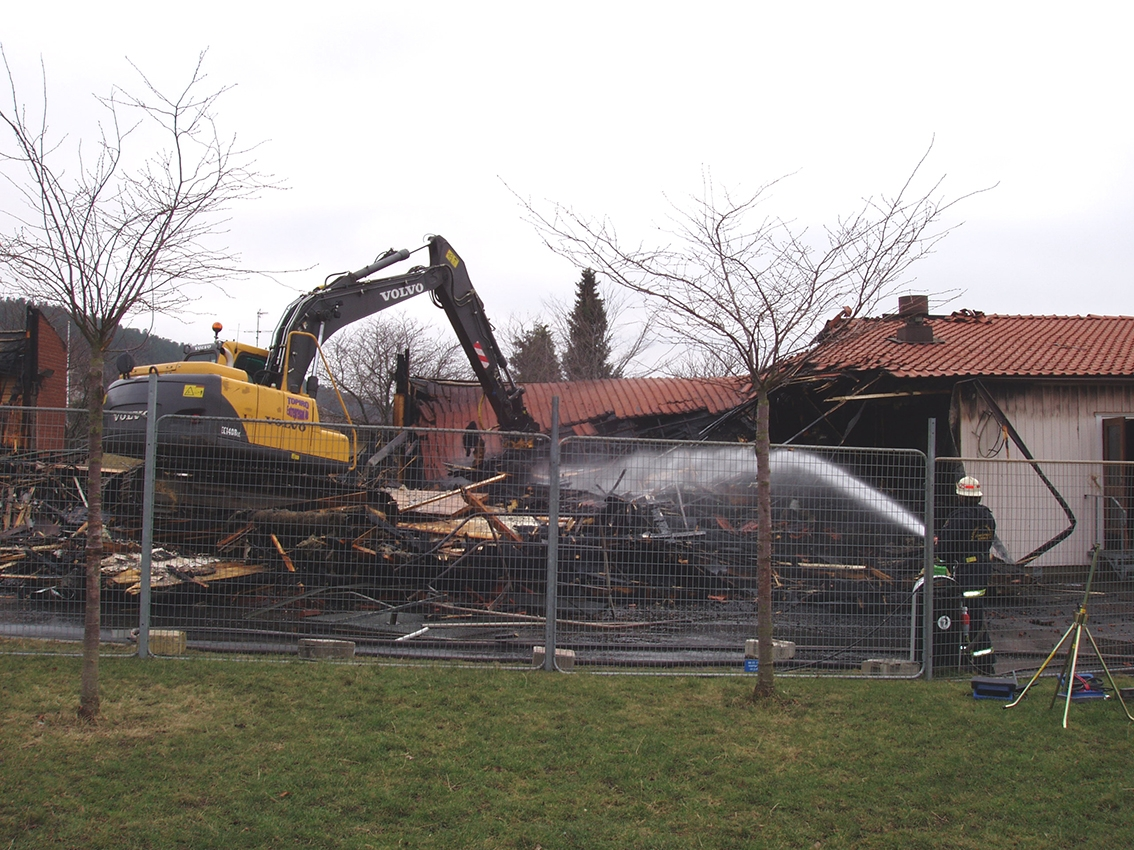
(927, 568)
(148, 517)
(551, 597)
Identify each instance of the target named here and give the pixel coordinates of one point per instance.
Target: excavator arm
(244, 402)
(314, 317)
(466, 314)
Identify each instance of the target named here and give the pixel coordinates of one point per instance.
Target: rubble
(482, 545)
(123, 571)
(43, 512)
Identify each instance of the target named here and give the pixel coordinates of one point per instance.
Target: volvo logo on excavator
(397, 295)
(402, 292)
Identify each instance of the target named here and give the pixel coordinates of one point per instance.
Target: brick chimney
(915, 310)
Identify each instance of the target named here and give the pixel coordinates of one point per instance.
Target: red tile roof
(582, 402)
(969, 343)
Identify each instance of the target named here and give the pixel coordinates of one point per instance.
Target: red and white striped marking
(480, 354)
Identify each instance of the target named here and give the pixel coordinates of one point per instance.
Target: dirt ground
(1028, 619)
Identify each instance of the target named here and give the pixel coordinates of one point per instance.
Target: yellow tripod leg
(1043, 667)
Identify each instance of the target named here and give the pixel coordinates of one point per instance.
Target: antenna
(259, 313)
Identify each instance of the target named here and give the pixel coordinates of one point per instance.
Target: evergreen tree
(588, 336)
(534, 358)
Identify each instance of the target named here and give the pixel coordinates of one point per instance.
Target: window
(1118, 478)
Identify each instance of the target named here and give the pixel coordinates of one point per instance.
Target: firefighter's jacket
(964, 543)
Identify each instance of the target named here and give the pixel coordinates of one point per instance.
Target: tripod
(1075, 634)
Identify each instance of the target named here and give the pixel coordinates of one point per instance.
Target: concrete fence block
(167, 642)
(318, 648)
(890, 667)
(564, 658)
(782, 650)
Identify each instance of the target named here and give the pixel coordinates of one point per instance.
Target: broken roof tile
(582, 403)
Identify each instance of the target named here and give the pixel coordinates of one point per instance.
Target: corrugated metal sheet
(974, 344)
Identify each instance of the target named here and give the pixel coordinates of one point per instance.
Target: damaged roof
(13, 344)
(969, 343)
(584, 405)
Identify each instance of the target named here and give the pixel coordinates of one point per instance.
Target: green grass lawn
(208, 753)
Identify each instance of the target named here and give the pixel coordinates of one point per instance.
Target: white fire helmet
(969, 486)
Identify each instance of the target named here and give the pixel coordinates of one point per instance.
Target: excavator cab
(250, 359)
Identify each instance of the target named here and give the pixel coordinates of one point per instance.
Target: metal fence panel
(1049, 516)
(656, 547)
(658, 556)
(266, 551)
(43, 514)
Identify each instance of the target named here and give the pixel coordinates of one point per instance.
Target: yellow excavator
(234, 400)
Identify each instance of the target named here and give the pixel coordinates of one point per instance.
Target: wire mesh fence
(43, 514)
(257, 548)
(1050, 516)
(432, 544)
(658, 561)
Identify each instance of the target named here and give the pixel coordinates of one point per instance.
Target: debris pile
(483, 544)
(43, 515)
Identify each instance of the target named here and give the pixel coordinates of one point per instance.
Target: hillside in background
(146, 348)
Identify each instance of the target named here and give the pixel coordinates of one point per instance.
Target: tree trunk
(92, 622)
(765, 676)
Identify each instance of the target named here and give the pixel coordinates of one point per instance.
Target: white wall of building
(1061, 425)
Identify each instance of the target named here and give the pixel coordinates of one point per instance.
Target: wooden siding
(1061, 421)
(1061, 425)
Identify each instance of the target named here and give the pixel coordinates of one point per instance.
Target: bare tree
(362, 361)
(746, 291)
(686, 363)
(114, 228)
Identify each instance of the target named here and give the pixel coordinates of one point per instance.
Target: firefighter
(964, 543)
(473, 443)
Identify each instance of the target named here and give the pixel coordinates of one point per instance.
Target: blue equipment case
(994, 688)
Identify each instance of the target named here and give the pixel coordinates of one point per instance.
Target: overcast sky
(392, 120)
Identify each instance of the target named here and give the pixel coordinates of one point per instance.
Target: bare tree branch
(758, 285)
(746, 292)
(103, 239)
(363, 357)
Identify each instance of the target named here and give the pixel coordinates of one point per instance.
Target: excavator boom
(242, 383)
(351, 297)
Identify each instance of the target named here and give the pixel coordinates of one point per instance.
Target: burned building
(1001, 387)
(33, 375)
(656, 408)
